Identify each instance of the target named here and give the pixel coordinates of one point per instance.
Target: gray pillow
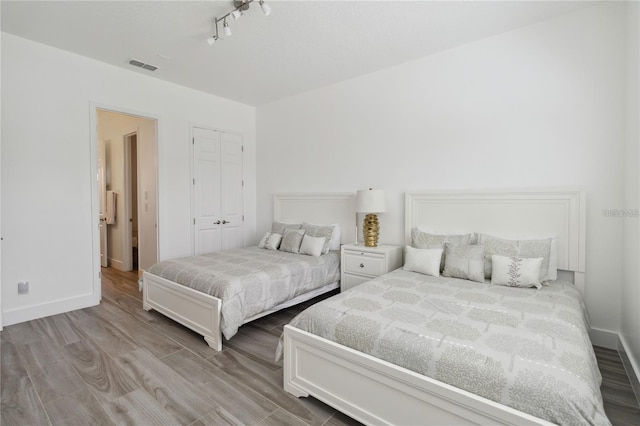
(320, 231)
(279, 227)
(291, 240)
(270, 241)
(519, 248)
(464, 261)
(426, 240)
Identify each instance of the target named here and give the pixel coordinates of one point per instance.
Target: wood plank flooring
(620, 402)
(117, 364)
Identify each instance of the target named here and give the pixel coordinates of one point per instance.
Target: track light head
(211, 40)
(236, 14)
(265, 8)
(226, 29)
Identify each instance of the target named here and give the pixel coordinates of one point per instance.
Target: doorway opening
(127, 190)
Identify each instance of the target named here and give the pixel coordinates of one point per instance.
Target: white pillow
(312, 245)
(423, 261)
(516, 271)
(270, 241)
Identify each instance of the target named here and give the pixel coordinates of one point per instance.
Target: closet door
(206, 191)
(217, 195)
(231, 191)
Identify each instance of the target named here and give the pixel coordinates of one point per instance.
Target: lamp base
(371, 230)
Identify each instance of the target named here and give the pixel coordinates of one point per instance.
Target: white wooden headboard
(522, 213)
(318, 208)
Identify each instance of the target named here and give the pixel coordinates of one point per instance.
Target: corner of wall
(604, 338)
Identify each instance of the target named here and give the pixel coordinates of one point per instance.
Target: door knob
(216, 223)
(224, 221)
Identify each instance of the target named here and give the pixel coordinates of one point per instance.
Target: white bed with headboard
(375, 391)
(201, 312)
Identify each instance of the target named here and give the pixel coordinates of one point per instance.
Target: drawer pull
(362, 265)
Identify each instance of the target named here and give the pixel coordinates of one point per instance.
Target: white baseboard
(116, 264)
(604, 338)
(630, 365)
(28, 313)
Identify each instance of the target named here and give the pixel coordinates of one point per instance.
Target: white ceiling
(301, 46)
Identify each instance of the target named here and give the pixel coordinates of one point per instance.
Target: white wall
(539, 106)
(47, 96)
(630, 314)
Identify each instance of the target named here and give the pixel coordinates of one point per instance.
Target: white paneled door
(217, 191)
(231, 190)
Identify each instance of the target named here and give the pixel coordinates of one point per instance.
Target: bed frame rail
(198, 311)
(376, 392)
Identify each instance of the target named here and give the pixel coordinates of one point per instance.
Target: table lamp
(371, 202)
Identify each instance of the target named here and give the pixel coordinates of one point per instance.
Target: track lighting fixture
(265, 8)
(236, 13)
(226, 29)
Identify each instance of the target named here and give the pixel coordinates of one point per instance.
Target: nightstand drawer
(364, 263)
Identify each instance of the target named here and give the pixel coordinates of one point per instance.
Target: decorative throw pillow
(423, 261)
(325, 231)
(270, 241)
(422, 239)
(312, 245)
(527, 248)
(516, 271)
(291, 240)
(464, 261)
(279, 227)
(426, 240)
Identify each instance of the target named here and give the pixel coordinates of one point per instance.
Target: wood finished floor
(620, 403)
(117, 364)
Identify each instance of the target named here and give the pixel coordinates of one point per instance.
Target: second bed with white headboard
(213, 294)
(409, 348)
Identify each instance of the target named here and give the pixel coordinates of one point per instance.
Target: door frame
(93, 183)
(102, 198)
(127, 261)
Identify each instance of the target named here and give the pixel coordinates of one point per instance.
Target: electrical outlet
(23, 287)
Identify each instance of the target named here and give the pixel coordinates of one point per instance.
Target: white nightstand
(361, 263)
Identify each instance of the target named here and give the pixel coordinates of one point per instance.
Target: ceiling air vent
(142, 65)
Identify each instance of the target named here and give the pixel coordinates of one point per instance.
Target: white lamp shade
(370, 201)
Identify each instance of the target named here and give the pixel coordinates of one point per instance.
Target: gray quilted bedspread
(250, 280)
(525, 348)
